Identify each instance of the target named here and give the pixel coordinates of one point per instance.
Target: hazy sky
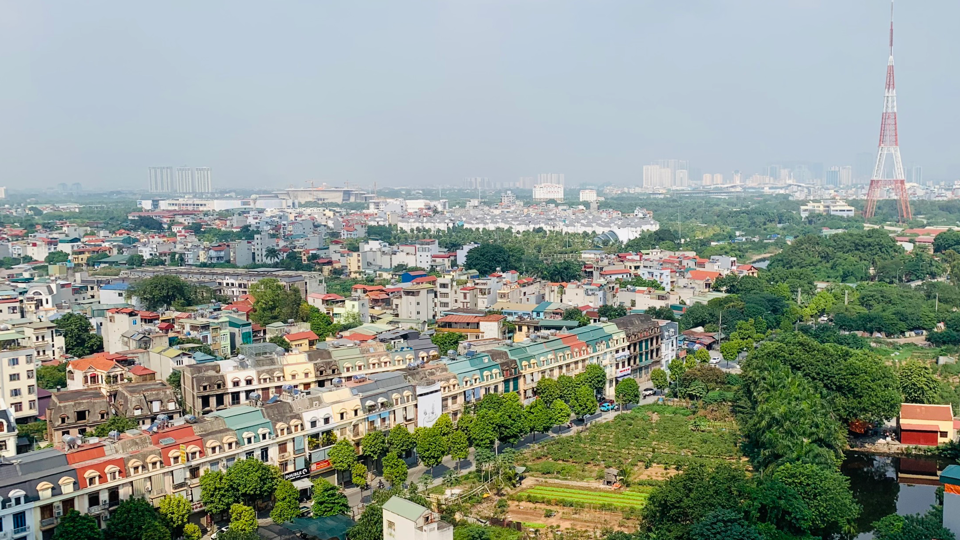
(408, 92)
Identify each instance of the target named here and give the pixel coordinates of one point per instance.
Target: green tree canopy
(627, 391)
(431, 447)
(166, 291)
(52, 377)
(539, 417)
(78, 338)
(511, 419)
(400, 440)
(115, 423)
(287, 505)
(374, 445)
(57, 257)
(273, 302)
(77, 526)
(447, 341)
(658, 378)
(328, 500)
(918, 383)
(130, 519)
(483, 430)
(561, 412)
(174, 512)
(343, 455)
(243, 518)
(253, 480)
(584, 402)
(394, 469)
(488, 258)
(369, 526)
(548, 389)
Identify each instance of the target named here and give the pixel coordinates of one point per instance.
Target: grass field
(582, 498)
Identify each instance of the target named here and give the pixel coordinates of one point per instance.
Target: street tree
(287, 503)
(539, 418)
(342, 456)
(458, 447)
(444, 425)
(659, 379)
(358, 474)
(568, 387)
(511, 420)
(595, 377)
(548, 389)
(174, 512)
(130, 518)
(328, 500)
(191, 531)
(394, 469)
(155, 531)
(584, 402)
(374, 446)
(217, 493)
(702, 356)
(77, 526)
(431, 447)
(483, 431)
(161, 292)
(253, 480)
(243, 519)
(627, 392)
(561, 412)
(400, 440)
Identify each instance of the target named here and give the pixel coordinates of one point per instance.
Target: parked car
(607, 406)
(219, 532)
(715, 360)
(647, 392)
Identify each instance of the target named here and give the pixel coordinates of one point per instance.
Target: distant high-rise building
(863, 169)
(76, 187)
(846, 176)
(916, 174)
(551, 178)
(651, 176)
(161, 179)
(833, 177)
(682, 178)
(477, 182)
(548, 192)
(203, 180)
(588, 195)
(3, 192)
(708, 179)
(184, 180)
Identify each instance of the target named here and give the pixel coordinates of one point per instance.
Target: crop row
(564, 492)
(579, 503)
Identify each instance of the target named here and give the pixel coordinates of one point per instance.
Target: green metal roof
(404, 508)
(951, 475)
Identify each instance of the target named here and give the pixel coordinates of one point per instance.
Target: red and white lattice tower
(888, 172)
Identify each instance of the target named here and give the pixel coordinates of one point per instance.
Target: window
(93, 479)
(15, 392)
(31, 389)
(113, 475)
(138, 410)
(30, 374)
(136, 469)
(391, 528)
(313, 423)
(14, 377)
(13, 362)
(155, 464)
(33, 405)
(18, 407)
(103, 415)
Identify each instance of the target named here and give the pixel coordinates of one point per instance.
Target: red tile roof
(425, 279)
(702, 275)
(913, 411)
(101, 362)
(301, 335)
(141, 370)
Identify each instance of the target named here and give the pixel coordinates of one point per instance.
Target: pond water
(886, 485)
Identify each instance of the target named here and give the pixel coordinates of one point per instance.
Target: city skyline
(735, 106)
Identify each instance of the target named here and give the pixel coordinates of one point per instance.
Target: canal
(886, 485)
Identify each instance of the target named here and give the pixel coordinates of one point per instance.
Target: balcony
(284, 456)
(96, 509)
(21, 530)
(49, 522)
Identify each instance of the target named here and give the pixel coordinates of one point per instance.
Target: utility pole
(936, 304)
(846, 297)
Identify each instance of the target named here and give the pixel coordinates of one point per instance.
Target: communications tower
(888, 172)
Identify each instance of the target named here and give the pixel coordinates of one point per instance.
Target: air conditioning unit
(57, 510)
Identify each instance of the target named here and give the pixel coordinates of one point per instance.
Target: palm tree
(271, 254)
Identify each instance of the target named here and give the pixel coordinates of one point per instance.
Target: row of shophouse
(272, 407)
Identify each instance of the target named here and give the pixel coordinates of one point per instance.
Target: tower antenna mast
(888, 171)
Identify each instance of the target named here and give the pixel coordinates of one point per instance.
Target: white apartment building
(833, 208)
(18, 369)
(160, 179)
(547, 192)
(116, 322)
(184, 180)
(203, 180)
(405, 520)
(588, 195)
